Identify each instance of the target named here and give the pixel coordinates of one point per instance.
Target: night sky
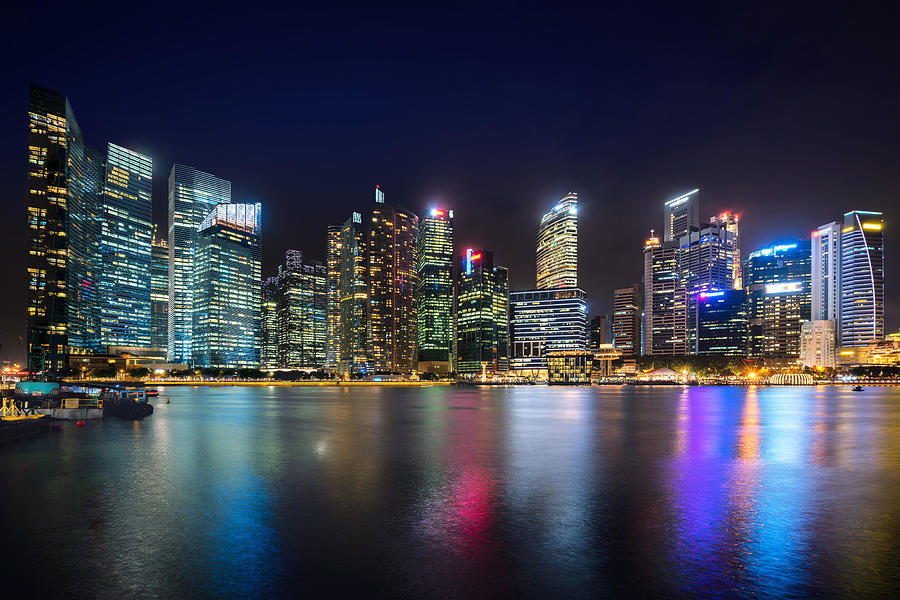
(788, 114)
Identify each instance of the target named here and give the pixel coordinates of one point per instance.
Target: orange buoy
(80, 423)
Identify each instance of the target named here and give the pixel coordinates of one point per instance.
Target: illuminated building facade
(557, 245)
(680, 215)
(542, 321)
(333, 266)
(825, 254)
(665, 317)
(779, 297)
(353, 354)
(862, 279)
(817, 344)
(482, 315)
(569, 367)
(627, 320)
(52, 130)
(722, 322)
(159, 292)
(435, 291)
(268, 322)
(192, 195)
(730, 222)
(227, 272)
(125, 249)
(392, 282)
(705, 263)
(301, 303)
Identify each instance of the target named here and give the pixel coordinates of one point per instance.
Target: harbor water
(452, 492)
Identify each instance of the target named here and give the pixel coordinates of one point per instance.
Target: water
(448, 492)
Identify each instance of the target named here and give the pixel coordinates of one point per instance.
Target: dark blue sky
(788, 114)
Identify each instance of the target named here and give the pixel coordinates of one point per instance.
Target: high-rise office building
(435, 291)
(333, 265)
(159, 292)
(125, 235)
(482, 315)
(557, 245)
(600, 333)
(826, 272)
(778, 298)
(227, 272)
(544, 321)
(192, 195)
(817, 344)
(268, 323)
(665, 316)
(627, 320)
(391, 250)
(301, 301)
(862, 279)
(52, 129)
(722, 322)
(680, 214)
(730, 222)
(705, 263)
(353, 351)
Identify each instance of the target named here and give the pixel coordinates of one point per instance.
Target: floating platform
(71, 414)
(17, 429)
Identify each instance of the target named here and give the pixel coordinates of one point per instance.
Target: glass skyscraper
(680, 214)
(435, 291)
(51, 131)
(392, 283)
(778, 298)
(159, 292)
(826, 272)
(665, 311)
(730, 222)
(627, 320)
(226, 298)
(482, 315)
(268, 320)
(125, 249)
(192, 195)
(862, 278)
(557, 245)
(333, 266)
(353, 352)
(722, 322)
(300, 322)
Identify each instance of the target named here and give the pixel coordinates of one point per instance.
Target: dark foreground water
(464, 492)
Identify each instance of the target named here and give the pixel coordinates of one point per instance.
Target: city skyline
(622, 172)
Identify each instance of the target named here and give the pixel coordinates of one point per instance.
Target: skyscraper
(435, 291)
(778, 297)
(817, 344)
(680, 214)
(599, 331)
(557, 245)
(862, 278)
(627, 320)
(125, 235)
(51, 130)
(333, 265)
(353, 352)
(730, 221)
(392, 282)
(722, 322)
(268, 322)
(192, 195)
(705, 263)
(301, 301)
(826, 270)
(482, 315)
(226, 259)
(665, 311)
(159, 292)
(544, 321)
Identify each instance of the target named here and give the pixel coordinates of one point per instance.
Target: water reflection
(475, 492)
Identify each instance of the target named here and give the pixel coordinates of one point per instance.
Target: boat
(16, 423)
(857, 388)
(127, 403)
(58, 402)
